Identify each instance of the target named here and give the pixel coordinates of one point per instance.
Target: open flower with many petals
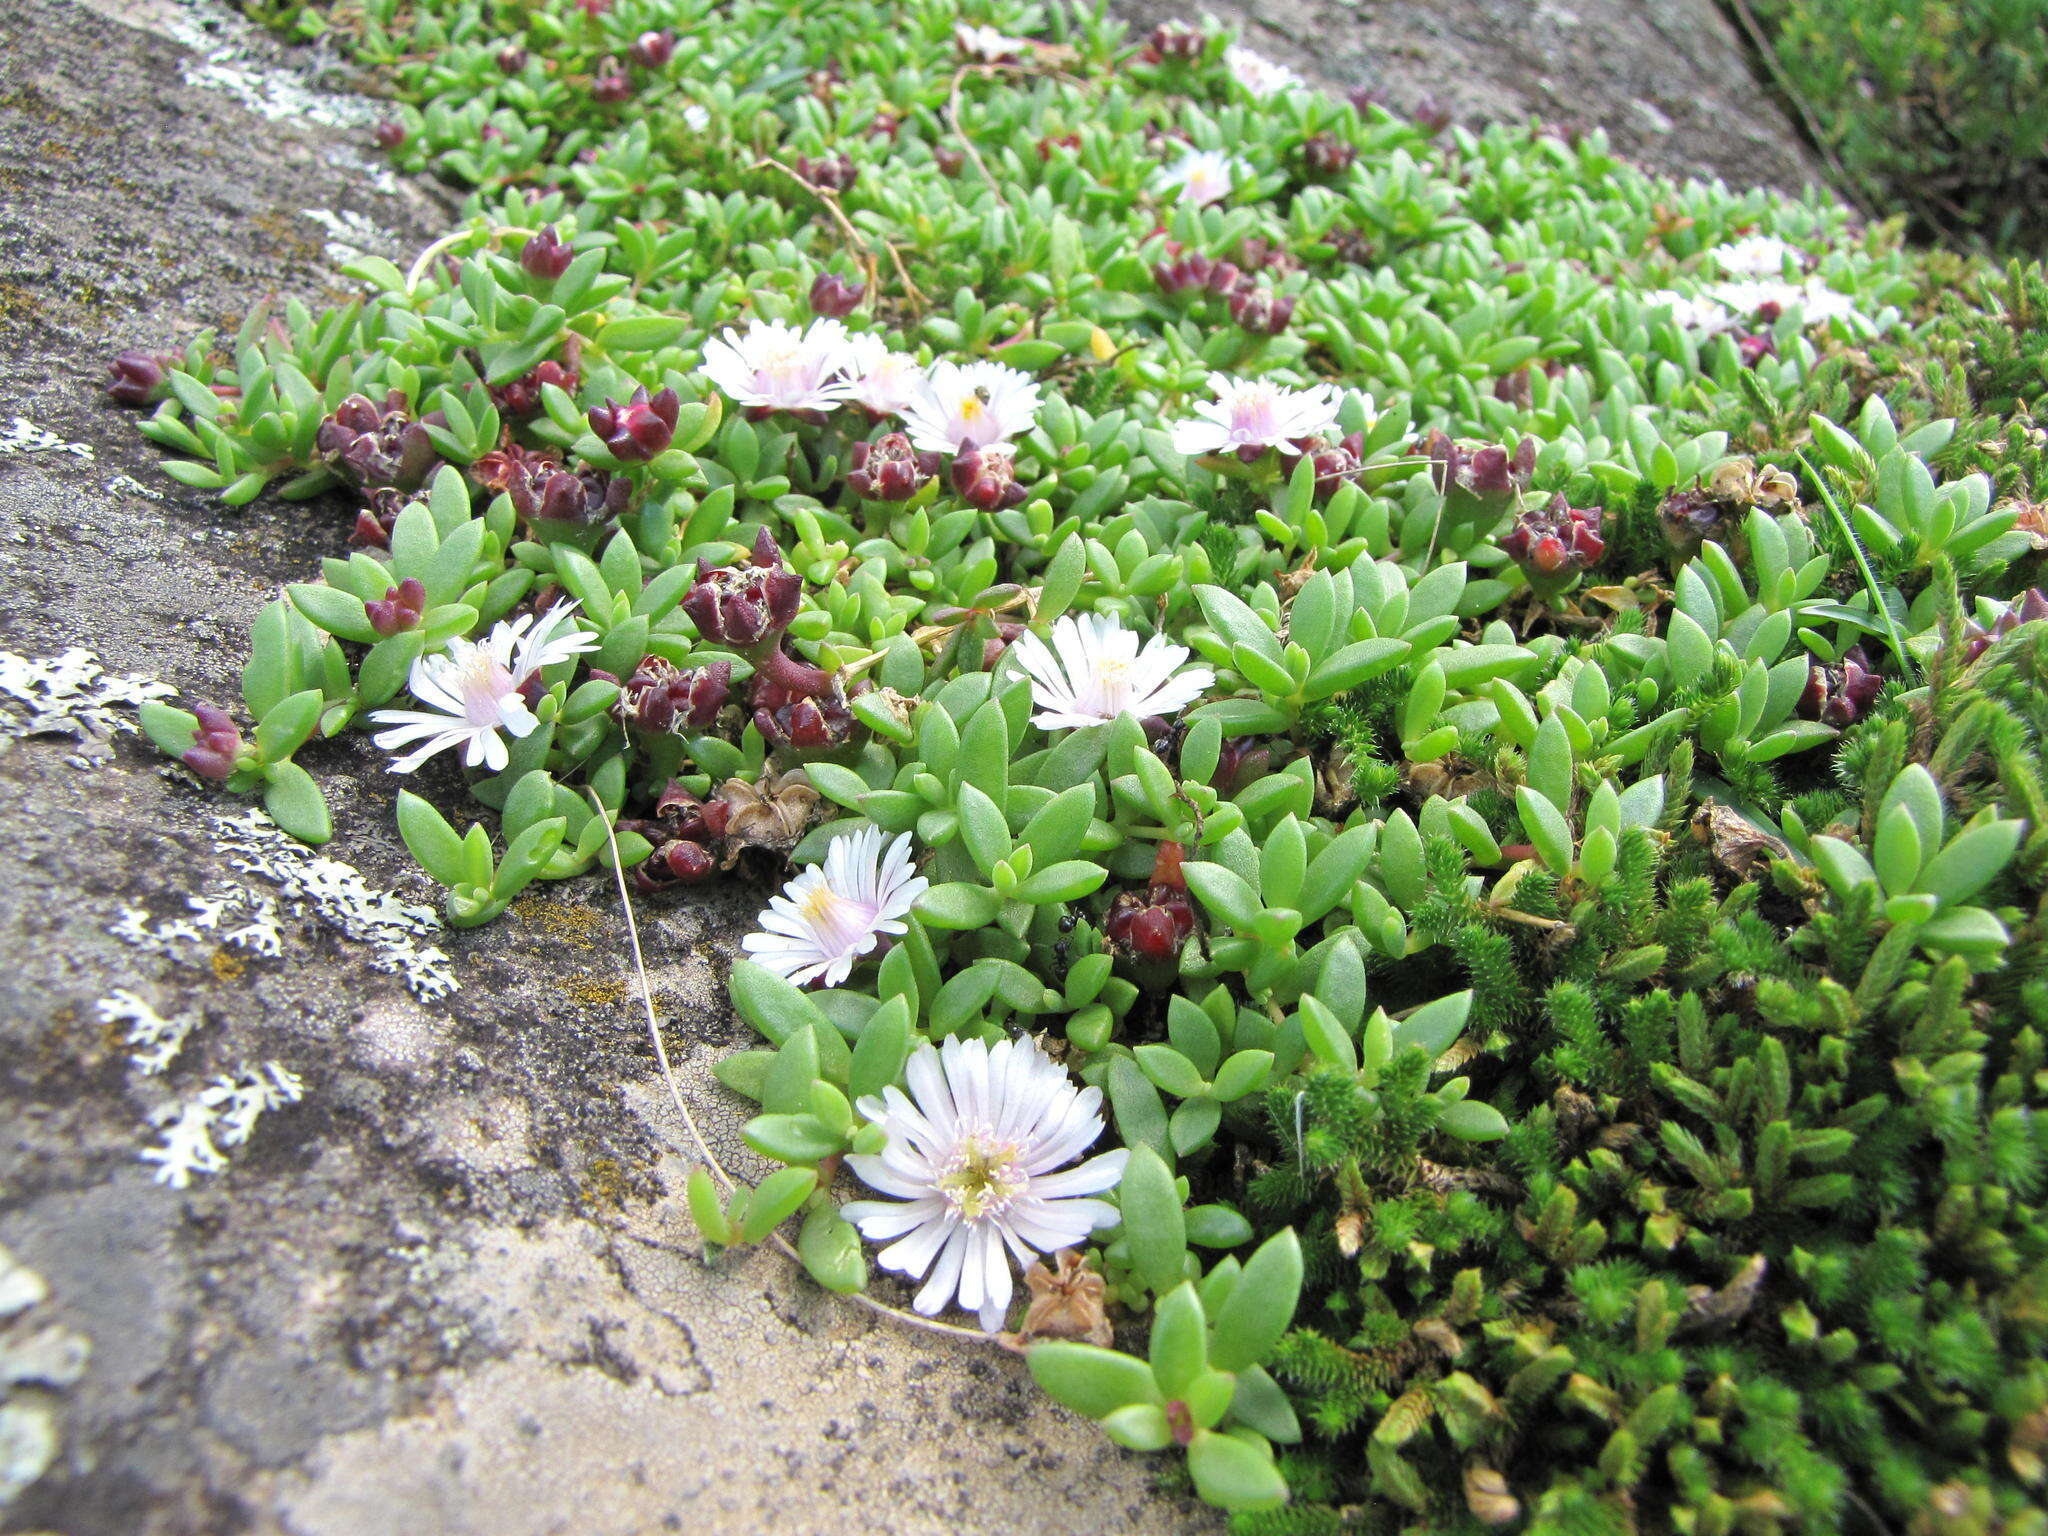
(835, 912)
(1258, 74)
(473, 690)
(974, 1168)
(774, 366)
(1755, 256)
(1202, 176)
(881, 382)
(1094, 671)
(957, 408)
(1255, 414)
(985, 45)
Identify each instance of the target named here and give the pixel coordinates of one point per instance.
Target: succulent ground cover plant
(1398, 769)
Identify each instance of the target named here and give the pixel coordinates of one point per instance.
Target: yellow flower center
(982, 1177)
(971, 408)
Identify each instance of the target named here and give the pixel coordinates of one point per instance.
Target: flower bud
(662, 697)
(511, 59)
(1431, 116)
(987, 478)
(1554, 543)
(890, 469)
(1173, 41)
(215, 745)
(688, 863)
(746, 607)
(400, 608)
(1839, 695)
(545, 493)
(1198, 274)
(389, 135)
(376, 520)
(1338, 463)
(1327, 155)
(948, 159)
(1478, 483)
(806, 724)
(1364, 98)
(1255, 253)
(136, 378)
(611, 84)
(827, 173)
(1754, 347)
(378, 447)
(2030, 607)
(521, 399)
(545, 255)
(885, 125)
(836, 296)
(1691, 517)
(651, 50)
(1260, 311)
(639, 429)
(1155, 925)
(1053, 141)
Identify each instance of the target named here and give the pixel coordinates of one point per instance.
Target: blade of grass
(1893, 638)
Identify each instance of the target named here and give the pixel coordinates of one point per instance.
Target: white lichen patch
(339, 896)
(23, 436)
(153, 1040)
(36, 1363)
(197, 1132)
(227, 62)
(128, 485)
(235, 916)
(70, 695)
(352, 236)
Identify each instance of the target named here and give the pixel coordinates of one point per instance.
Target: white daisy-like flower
(957, 408)
(878, 379)
(696, 117)
(1202, 176)
(1258, 74)
(987, 44)
(1256, 413)
(974, 1166)
(1755, 256)
(1746, 296)
(1822, 303)
(471, 690)
(1691, 312)
(837, 911)
(1094, 671)
(776, 366)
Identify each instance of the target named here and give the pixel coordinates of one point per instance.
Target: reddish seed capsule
(389, 135)
(889, 469)
(652, 50)
(746, 606)
(641, 428)
(545, 255)
(135, 378)
(215, 745)
(399, 609)
(836, 296)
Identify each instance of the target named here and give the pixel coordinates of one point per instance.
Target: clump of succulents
(1403, 855)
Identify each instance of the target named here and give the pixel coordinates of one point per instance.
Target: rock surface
(452, 1288)
(1667, 79)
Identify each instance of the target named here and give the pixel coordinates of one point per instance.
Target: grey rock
(1667, 79)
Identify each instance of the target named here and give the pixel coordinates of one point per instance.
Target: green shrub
(1934, 106)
